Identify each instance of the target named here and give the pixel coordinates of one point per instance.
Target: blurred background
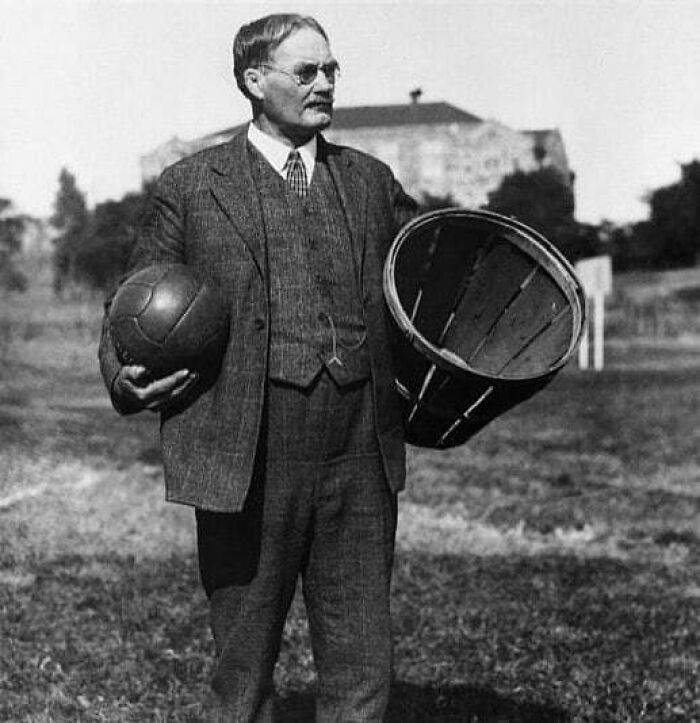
(581, 119)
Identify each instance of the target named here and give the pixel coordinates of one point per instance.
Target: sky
(93, 85)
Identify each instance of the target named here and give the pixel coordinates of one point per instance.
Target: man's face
(290, 111)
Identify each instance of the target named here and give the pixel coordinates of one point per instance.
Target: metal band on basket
(487, 312)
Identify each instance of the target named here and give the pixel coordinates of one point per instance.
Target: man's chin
(320, 117)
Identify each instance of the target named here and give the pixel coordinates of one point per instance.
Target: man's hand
(136, 388)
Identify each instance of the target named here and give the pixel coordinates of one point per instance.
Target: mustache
(320, 100)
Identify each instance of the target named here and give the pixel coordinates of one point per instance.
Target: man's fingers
(171, 394)
(165, 385)
(136, 383)
(192, 378)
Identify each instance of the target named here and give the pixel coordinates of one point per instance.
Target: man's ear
(253, 79)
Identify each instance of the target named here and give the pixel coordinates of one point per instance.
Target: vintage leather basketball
(165, 318)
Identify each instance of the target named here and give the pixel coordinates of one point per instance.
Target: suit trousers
(320, 508)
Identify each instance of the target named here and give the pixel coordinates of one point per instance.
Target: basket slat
(531, 310)
(552, 342)
(482, 303)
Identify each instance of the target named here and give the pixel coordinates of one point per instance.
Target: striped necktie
(296, 174)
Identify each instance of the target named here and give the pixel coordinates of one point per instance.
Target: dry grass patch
(73, 508)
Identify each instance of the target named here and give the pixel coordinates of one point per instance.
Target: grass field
(546, 571)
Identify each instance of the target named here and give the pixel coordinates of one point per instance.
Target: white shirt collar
(276, 152)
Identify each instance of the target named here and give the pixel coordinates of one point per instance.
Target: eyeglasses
(307, 73)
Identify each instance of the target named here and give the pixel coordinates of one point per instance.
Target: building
(37, 237)
(433, 148)
(24, 235)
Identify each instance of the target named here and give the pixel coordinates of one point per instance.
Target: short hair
(255, 41)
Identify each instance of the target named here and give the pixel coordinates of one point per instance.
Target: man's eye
(306, 72)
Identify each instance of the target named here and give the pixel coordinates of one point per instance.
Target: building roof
(381, 116)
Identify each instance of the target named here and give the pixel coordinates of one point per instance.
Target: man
(293, 456)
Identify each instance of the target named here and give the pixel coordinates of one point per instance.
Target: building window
(432, 162)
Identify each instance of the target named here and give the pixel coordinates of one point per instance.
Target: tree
(93, 248)
(112, 236)
(670, 237)
(11, 230)
(674, 219)
(429, 202)
(71, 219)
(541, 199)
(544, 200)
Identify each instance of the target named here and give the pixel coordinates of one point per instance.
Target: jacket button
(260, 324)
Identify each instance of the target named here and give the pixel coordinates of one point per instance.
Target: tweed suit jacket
(207, 214)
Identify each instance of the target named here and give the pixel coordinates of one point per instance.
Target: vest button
(260, 323)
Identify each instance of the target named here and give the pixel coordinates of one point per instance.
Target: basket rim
(545, 253)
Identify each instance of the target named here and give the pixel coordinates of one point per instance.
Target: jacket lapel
(352, 189)
(233, 188)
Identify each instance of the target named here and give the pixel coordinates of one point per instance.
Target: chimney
(415, 95)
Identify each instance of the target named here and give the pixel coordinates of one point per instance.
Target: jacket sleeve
(404, 206)
(159, 240)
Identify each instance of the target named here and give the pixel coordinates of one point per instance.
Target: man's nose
(322, 83)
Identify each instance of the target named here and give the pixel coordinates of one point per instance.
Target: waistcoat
(315, 303)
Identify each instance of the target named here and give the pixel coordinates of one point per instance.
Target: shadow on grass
(443, 704)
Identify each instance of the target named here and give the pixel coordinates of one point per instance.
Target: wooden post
(598, 314)
(583, 346)
(595, 275)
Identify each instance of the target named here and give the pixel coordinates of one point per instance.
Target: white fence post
(583, 345)
(595, 275)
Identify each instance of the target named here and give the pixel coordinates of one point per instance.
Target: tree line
(92, 247)
(544, 200)
(11, 231)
